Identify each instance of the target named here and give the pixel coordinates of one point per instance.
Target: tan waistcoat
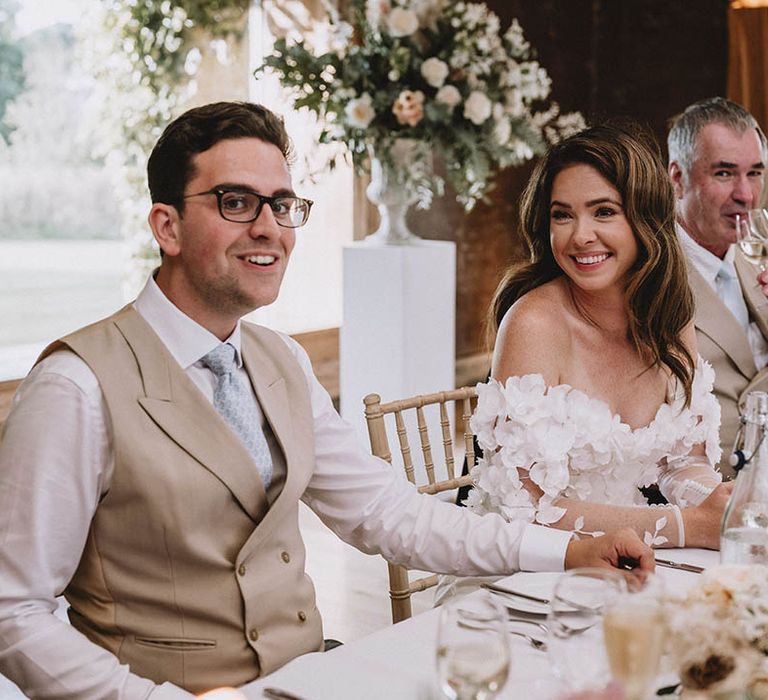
(187, 576)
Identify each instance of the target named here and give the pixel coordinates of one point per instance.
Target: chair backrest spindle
(401, 587)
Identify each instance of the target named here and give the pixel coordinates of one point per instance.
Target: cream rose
(360, 112)
(448, 95)
(402, 22)
(477, 108)
(434, 71)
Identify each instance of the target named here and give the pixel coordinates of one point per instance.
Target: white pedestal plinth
(398, 331)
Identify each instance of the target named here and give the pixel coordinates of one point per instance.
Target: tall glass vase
(388, 190)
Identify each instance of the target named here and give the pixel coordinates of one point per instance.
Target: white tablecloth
(397, 663)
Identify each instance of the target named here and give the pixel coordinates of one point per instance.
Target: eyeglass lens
(245, 206)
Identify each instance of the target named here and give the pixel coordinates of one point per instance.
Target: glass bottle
(744, 530)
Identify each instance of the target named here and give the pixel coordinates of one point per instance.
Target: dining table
(398, 662)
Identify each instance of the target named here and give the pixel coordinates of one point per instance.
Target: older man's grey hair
(685, 127)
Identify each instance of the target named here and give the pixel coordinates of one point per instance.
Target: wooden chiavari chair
(430, 476)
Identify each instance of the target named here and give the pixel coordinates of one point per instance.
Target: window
(62, 261)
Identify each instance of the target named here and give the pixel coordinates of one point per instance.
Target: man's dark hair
(170, 166)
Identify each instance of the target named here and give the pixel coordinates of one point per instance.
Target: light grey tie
(236, 403)
(729, 290)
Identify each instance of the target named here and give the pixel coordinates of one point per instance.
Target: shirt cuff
(543, 548)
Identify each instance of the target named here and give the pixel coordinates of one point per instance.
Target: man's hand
(762, 280)
(621, 550)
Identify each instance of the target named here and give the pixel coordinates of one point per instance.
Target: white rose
(360, 112)
(434, 71)
(477, 108)
(448, 95)
(402, 22)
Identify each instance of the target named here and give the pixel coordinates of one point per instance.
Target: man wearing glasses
(153, 463)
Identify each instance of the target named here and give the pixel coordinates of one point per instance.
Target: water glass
(575, 620)
(472, 648)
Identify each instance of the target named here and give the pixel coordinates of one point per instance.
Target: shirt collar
(185, 339)
(705, 263)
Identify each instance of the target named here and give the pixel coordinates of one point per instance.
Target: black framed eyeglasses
(242, 206)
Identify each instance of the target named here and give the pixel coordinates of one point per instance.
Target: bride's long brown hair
(659, 300)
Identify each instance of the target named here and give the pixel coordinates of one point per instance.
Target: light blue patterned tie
(729, 290)
(236, 404)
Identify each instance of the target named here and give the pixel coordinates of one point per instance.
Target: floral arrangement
(719, 633)
(436, 72)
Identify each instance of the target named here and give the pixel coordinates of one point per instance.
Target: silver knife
(280, 694)
(496, 588)
(680, 565)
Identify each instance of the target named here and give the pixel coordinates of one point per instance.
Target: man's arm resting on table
(371, 506)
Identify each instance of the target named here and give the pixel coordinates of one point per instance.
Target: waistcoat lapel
(176, 405)
(715, 320)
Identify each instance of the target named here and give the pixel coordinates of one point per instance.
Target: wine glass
(634, 630)
(575, 620)
(752, 237)
(758, 222)
(472, 648)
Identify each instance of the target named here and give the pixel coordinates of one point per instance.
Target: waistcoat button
(286, 557)
(241, 570)
(253, 634)
(302, 616)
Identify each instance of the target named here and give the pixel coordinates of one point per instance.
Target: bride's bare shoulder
(533, 335)
(540, 311)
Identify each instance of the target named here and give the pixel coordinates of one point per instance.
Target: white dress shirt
(708, 266)
(56, 463)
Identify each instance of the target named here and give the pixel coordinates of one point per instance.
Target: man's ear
(165, 222)
(676, 175)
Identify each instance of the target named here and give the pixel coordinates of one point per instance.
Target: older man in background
(717, 155)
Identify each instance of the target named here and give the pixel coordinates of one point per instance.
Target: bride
(596, 389)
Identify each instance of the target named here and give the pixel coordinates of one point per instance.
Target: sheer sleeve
(554, 456)
(658, 526)
(687, 479)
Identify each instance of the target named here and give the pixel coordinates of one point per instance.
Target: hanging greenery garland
(144, 55)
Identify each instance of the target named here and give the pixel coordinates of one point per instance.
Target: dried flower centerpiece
(719, 634)
(436, 73)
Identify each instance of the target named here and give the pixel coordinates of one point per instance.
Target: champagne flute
(575, 621)
(750, 237)
(472, 648)
(634, 631)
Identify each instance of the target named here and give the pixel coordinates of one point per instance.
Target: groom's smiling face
(216, 270)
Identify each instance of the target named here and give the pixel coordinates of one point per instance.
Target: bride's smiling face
(591, 239)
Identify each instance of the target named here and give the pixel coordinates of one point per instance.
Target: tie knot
(220, 360)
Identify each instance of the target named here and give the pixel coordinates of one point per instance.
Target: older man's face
(726, 179)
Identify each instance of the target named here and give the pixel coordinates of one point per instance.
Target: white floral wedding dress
(588, 464)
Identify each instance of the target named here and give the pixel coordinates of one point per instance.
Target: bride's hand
(702, 522)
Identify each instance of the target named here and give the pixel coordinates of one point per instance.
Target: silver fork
(538, 644)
